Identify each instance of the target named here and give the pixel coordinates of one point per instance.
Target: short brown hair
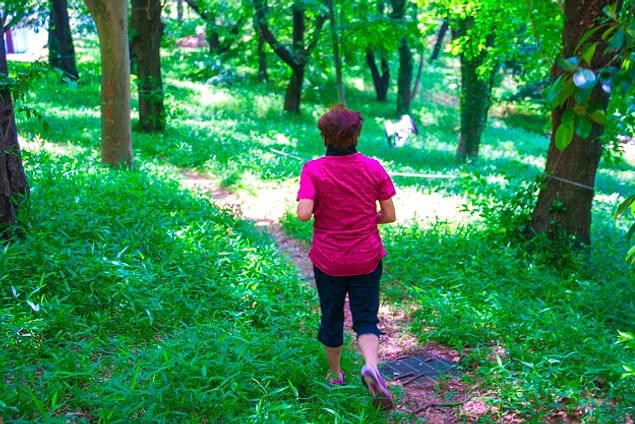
(340, 127)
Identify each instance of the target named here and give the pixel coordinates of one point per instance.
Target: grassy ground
(128, 298)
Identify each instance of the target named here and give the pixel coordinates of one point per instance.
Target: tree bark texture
(404, 78)
(14, 188)
(380, 80)
(404, 75)
(60, 39)
(564, 203)
(437, 46)
(262, 59)
(476, 95)
(295, 57)
(111, 19)
(146, 43)
(336, 53)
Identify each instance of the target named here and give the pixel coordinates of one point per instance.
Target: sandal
(381, 395)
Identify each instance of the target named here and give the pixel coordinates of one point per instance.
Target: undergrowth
(126, 298)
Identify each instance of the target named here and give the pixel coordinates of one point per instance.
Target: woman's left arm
(305, 209)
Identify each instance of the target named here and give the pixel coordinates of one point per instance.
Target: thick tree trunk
(476, 95)
(13, 183)
(380, 80)
(111, 19)
(60, 39)
(294, 90)
(475, 102)
(404, 79)
(564, 203)
(437, 46)
(146, 20)
(179, 11)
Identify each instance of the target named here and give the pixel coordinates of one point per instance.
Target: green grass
(156, 305)
(127, 298)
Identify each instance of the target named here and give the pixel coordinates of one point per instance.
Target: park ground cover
(127, 297)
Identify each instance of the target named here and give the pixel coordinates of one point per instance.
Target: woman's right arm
(386, 213)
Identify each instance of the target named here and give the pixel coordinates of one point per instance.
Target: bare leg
(333, 354)
(369, 345)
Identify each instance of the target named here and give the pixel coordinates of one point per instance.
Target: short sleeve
(386, 189)
(307, 186)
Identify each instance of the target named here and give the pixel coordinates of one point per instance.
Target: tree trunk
(179, 11)
(294, 90)
(404, 79)
(262, 58)
(336, 53)
(60, 39)
(213, 39)
(404, 76)
(146, 20)
(413, 94)
(476, 95)
(437, 46)
(564, 203)
(295, 57)
(14, 188)
(111, 19)
(380, 81)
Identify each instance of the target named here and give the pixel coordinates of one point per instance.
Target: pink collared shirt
(345, 190)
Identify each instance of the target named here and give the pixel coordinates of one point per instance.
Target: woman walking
(341, 190)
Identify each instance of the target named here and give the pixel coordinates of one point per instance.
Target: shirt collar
(338, 151)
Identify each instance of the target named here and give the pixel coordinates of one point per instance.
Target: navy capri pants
(363, 297)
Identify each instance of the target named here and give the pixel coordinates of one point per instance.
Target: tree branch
(533, 25)
(230, 39)
(282, 52)
(197, 10)
(315, 36)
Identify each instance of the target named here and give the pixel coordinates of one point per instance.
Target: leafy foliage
(579, 79)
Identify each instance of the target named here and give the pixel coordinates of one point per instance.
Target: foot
(381, 395)
(332, 381)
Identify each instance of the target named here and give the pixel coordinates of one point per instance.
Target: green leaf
(631, 254)
(72, 84)
(564, 135)
(583, 127)
(567, 116)
(569, 64)
(630, 234)
(617, 41)
(567, 90)
(626, 87)
(608, 32)
(598, 116)
(588, 52)
(584, 78)
(555, 89)
(623, 206)
(588, 35)
(582, 95)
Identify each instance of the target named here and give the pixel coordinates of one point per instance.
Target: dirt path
(266, 209)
